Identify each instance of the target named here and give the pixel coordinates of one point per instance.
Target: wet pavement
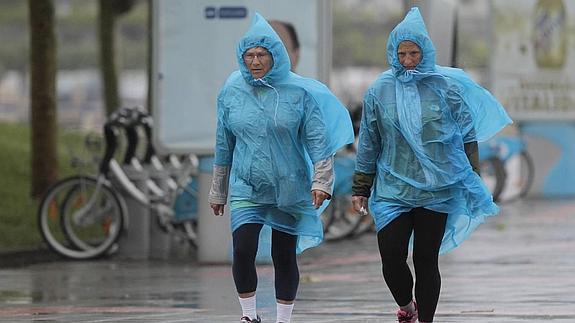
(517, 267)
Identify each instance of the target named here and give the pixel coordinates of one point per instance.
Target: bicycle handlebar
(125, 119)
(132, 141)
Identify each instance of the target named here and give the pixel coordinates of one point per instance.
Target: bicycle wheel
(520, 173)
(80, 218)
(344, 219)
(493, 175)
(527, 173)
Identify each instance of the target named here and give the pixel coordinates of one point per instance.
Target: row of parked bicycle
(83, 216)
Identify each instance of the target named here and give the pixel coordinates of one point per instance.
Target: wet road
(518, 267)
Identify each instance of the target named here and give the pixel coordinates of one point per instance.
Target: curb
(22, 258)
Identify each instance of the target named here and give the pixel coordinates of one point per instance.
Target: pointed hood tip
(414, 14)
(414, 9)
(257, 17)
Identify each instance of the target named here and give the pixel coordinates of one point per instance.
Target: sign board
(194, 46)
(439, 17)
(532, 68)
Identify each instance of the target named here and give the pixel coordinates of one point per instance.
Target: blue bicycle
(506, 167)
(492, 168)
(519, 167)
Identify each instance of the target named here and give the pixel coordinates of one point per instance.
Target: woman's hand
(218, 209)
(359, 204)
(318, 196)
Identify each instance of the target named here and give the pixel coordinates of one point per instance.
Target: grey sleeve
(220, 182)
(323, 175)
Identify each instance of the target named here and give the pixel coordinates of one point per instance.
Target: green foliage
(13, 32)
(13, 12)
(18, 225)
(77, 35)
(360, 36)
(473, 52)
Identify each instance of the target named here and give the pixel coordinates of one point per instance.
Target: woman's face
(258, 60)
(409, 54)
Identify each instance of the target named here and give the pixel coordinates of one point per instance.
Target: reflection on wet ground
(518, 267)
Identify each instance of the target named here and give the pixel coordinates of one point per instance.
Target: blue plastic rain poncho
(413, 128)
(271, 131)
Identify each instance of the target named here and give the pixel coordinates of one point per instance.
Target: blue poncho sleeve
(315, 133)
(225, 139)
(462, 114)
(369, 145)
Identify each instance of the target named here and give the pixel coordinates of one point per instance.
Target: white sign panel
(439, 17)
(533, 58)
(194, 53)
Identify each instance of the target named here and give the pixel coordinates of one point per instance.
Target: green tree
(43, 95)
(110, 10)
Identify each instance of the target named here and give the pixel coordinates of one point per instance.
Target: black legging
(246, 239)
(428, 228)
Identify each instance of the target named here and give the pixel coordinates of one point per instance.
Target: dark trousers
(428, 228)
(245, 239)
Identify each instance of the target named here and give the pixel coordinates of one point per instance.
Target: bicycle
(518, 166)
(492, 168)
(181, 181)
(83, 217)
(340, 219)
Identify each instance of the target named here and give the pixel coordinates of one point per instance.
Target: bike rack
(160, 243)
(146, 184)
(134, 244)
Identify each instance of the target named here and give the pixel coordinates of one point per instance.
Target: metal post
(159, 237)
(135, 244)
(214, 235)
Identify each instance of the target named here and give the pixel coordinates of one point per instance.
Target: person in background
(277, 133)
(288, 36)
(417, 162)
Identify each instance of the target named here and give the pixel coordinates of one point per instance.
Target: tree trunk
(43, 96)
(108, 63)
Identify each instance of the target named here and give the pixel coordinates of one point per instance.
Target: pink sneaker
(407, 317)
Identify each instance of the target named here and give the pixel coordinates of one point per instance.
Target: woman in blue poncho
(417, 163)
(276, 136)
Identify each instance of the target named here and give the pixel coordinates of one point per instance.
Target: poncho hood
(261, 34)
(412, 28)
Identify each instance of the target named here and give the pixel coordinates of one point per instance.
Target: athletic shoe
(246, 319)
(407, 317)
